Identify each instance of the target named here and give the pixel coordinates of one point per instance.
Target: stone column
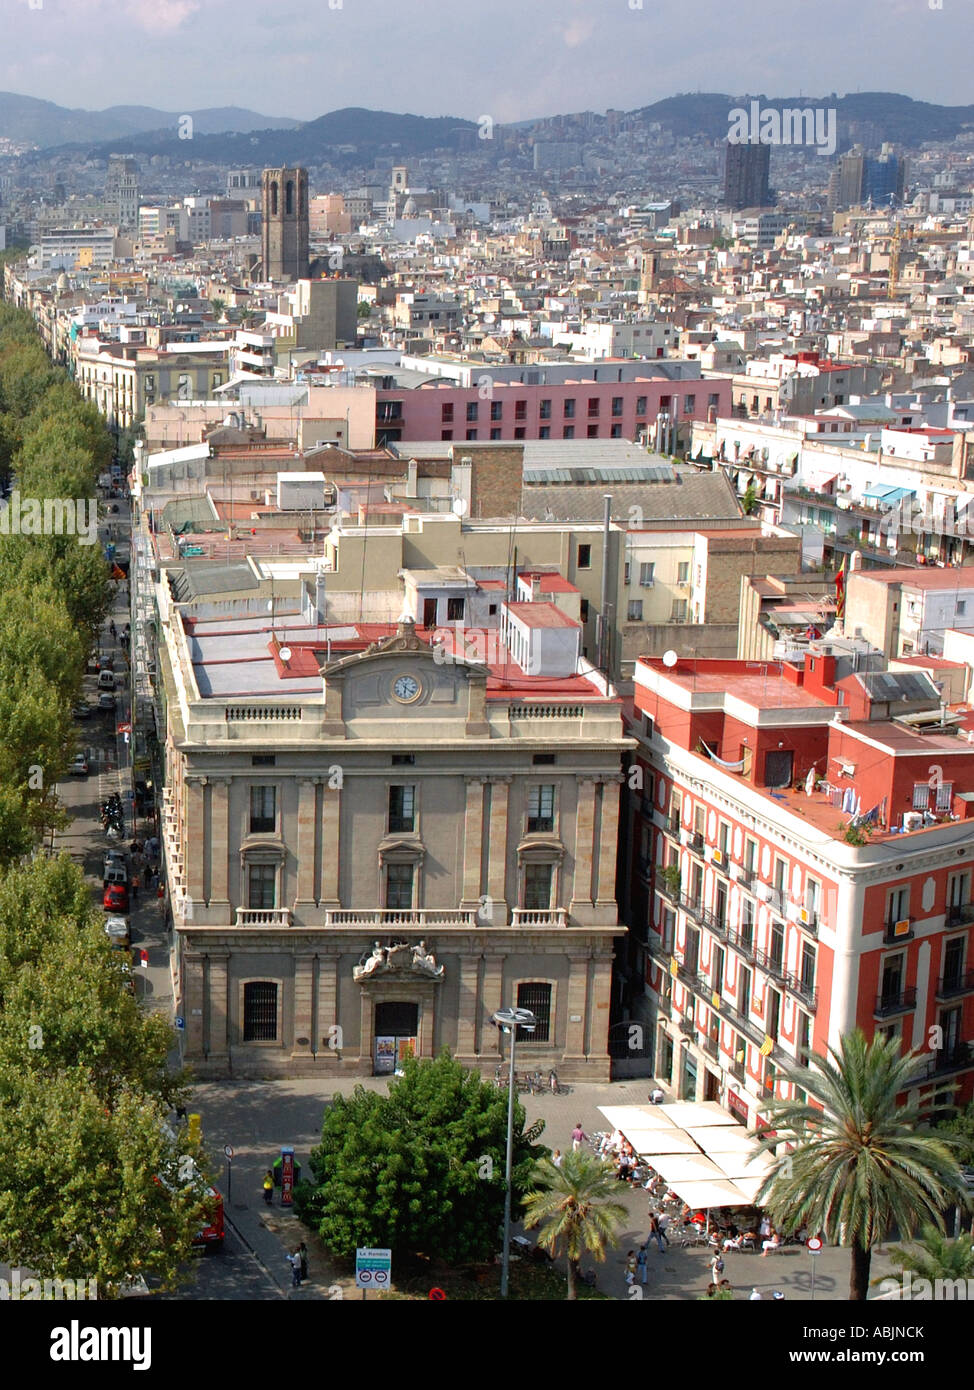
(576, 1006)
(192, 1003)
(331, 810)
(497, 848)
(473, 838)
(427, 1008)
(194, 840)
(218, 848)
(489, 1040)
(468, 1006)
(304, 904)
(608, 849)
(328, 1013)
(599, 1000)
(581, 905)
(304, 972)
(218, 1002)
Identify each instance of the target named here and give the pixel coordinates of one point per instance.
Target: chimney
(536, 588)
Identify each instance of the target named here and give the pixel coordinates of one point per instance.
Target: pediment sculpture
(401, 958)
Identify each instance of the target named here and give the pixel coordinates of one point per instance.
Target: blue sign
(180, 1023)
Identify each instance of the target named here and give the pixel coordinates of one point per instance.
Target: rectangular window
(260, 1011)
(615, 432)
(263, 810)
(647, 575)
(718, 973)
(399, 886)
(520, 410)
(497, 410)
(616, 405)
(640, 405)
(471, 410)
(544, 432)
(263, 759)
(635, 610)
(689, 404)
(403, 759)
(683, 572)
(569, 408)
(678, 612)
(777, 944)
(454, 609)
(262, 885)
(592, 432)
(446, 414)
(537, 887)
(921, 796)
(593, 405)
(544, 410)
(446, 434)
(744, 992)
(691, 952)
(541, 806)
(471, 434)
(584, 557)
(497, 432)
(627, 571)
(537, 999)
(402, 808)
(568, 432)
(945, 796)
(808, 967)
(772, 1013)
(519, 432)
(898, 906)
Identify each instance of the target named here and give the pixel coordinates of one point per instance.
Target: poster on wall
(407, 1048)
(385, 1056)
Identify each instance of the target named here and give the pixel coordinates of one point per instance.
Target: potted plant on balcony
(670, 874)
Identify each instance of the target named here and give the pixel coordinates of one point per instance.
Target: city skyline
(567, 56)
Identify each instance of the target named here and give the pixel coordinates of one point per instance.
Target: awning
(637, 1116)
(713, 1192)
(744, 1166)
(724, 1139)
(698, 1114)
(818, 482)
(697, 1167)
(886, 494)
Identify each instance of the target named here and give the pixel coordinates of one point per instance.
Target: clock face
(406, 688)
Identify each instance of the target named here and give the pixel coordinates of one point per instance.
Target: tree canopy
(420, 1170)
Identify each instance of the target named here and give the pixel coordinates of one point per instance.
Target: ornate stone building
(373, 844)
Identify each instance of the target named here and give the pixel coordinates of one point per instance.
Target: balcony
(951, 986)
(718, 925)
(901, 1003)
(742, 941)
(960, 916)
(402, 917)
(695, 842)
(693, 907)
(672, 826)
(710, 1046)
(900, 930)
(953, 1059)
(263, 917)
(688, 1028)
(736, 1070)
(543, 917)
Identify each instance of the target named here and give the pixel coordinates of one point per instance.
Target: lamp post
(509, 1021)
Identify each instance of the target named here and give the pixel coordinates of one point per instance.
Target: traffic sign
(813, 1245)
(180, 1023)
(373, 1268)
(228, 1150)
(437, 1295)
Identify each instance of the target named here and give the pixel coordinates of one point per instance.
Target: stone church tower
(284, 204)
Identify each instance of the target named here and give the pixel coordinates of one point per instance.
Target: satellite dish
(489, 318)
(460, 505)
(670, 659)
(285, 653)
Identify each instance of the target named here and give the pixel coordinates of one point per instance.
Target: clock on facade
(406, 689)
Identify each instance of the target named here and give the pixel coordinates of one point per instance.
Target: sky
(509, 59)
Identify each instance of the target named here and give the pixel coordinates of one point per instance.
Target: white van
(106, 680)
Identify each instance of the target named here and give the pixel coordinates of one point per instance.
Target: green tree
(851, 1162)
(749, 502)
(934, 1256)
(958, 1133)
(576, 1206)
(421, 1170)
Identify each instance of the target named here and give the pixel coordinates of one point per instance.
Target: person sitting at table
(771, 1244)
(765, 1227)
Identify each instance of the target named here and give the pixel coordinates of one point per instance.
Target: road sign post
(814, 1247)
(373, 1269)
(228, 1150)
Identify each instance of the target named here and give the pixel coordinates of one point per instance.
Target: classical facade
(373, 844)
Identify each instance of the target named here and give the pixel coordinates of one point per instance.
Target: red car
(116, 898)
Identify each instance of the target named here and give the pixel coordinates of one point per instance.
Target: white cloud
(161, 16)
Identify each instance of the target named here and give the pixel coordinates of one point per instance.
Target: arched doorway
(395, 1032)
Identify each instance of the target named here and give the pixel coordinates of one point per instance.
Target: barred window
(536, 997)
(921, 796)
(260, 1011)
(945, 796)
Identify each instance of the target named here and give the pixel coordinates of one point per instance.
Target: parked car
(82, 711)
(79, 767)
(116, 898)
(118, 931)
(106, 679)
(106, 702)
(116, 873)
(114, 859)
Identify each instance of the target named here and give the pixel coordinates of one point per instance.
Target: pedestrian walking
(631, 1267)
(269, 1188)
(135, 890)
(642, 1265)
(112, 630)
(656, 1231)
(303, 1256)
(578, 1135)
(294, 1260)
(716, 1267)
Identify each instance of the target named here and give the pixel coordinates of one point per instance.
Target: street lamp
(509, 1021)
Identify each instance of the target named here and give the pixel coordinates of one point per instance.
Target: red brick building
(769, 920)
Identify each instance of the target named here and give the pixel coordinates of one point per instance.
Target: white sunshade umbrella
(738, 1166)
(627, 1117)
(664, 1141)
(724, 1139)
(676, 1168)
(706, 1193)
(697, 1114)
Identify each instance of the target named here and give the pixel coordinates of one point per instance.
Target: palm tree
(574, 1203)
(934, 1256)
(854, 1165)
